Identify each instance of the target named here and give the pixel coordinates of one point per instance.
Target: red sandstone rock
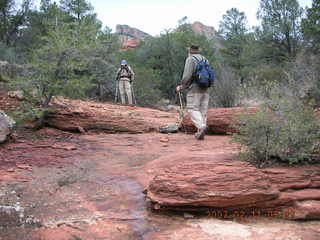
(130, 37)
(307, 210)
(220, 120)
(204, 30)
(129, 42)
(206, 181)
(72, 115)
(202, 181)
(294, 177)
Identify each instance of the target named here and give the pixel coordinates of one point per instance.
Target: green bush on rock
(283, 129)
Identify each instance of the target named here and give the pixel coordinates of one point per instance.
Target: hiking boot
(200, 134)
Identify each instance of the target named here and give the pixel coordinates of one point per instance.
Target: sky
(155, 16)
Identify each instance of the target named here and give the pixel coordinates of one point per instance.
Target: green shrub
(224, 92)
(283, 129)
(7, 53)
(29, 112)
(146, 88)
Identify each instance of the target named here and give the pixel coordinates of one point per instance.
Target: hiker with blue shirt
(125, 76)
(198, 94)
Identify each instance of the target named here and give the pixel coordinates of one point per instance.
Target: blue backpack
(204, 75)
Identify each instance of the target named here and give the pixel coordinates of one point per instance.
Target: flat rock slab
(201, 181)
(198, 181)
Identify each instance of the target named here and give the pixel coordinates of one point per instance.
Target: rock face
(132, 32)
(208, 32)
(204, 30)
(220, 120)
(82, 116)
(130, 37)
(236, 188)
(6, 126)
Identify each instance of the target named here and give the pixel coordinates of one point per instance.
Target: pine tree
(311, 26)
(281, 26)
(233, 28)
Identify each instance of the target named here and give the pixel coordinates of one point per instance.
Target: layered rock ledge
(81, 116)
(204, 182)
(220, 120)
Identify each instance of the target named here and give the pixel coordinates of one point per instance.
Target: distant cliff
(202, 29)
(130, 37)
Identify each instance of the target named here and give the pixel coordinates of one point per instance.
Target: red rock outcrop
(220, 120)
(204, 30)
(129, 42)
(208, 32)
(80, 116)
(199, 182)
(130, 37)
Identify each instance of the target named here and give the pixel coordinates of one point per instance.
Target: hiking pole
(117, 89)
(181, 112)
(133, 96)
(180, 99)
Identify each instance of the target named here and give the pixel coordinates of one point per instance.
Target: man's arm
(187, 73)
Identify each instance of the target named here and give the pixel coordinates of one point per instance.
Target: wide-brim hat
(194, 48)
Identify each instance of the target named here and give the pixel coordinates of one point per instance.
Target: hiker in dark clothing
(125, 76)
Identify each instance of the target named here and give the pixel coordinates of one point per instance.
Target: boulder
(81, 116)
(16, 94)
(171, 128)
(198, 182)
(220, 120)
(6, 126)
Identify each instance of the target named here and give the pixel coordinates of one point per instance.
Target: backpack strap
(196, 59)
(203, 58)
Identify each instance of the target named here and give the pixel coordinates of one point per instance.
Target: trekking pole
(180, 100)
(117, 89)
(181, 112)
(133, 96)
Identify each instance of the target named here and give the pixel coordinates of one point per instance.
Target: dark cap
(194, 48)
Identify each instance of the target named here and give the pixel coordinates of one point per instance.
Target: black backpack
(204, 74)
(128, 72)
